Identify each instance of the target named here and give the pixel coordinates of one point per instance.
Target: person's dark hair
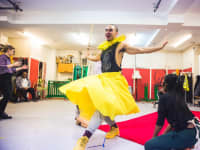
(7, 47)
(174, 85)
(116, 28)
(170, 82)
(1, 47)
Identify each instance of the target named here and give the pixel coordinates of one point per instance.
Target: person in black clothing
(6, 71)
(183, 127)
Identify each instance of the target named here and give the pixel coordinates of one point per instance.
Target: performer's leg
(94, 123)
(110, 122)
(81, 121)
(78, 122)
(114, 130)
(77, 112)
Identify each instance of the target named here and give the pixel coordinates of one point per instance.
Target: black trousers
(23, 92)
(6, 90)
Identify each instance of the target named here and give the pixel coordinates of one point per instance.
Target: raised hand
(24, 67)
(17, 64)
(164, 44)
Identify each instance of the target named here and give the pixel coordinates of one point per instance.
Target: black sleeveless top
(108, 62)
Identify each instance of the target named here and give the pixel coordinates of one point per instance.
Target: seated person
(182, 132)
(23, 87)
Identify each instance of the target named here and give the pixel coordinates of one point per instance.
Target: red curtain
(128, 72)
(157, 76)
(141, 83)
(171, 71)
(187, 70)
(34, 68)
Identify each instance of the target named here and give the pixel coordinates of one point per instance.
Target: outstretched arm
(135, 50)
(97, 57)
(22, 68)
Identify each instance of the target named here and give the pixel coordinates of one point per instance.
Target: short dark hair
(7, 47)
(116, 28)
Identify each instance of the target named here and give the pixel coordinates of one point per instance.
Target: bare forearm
(18, 69)
(157, 130)
(135, 50)
(150, 50)
(169, 128)
(10, 65)
(96, 57)
(93, 58)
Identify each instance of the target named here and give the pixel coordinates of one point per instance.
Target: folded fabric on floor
(139, 129)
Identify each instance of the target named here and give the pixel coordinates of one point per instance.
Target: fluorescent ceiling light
(33, 39)
(172, 5)
(152, 37)
(182, 40)
(82, 38)
(134, 39)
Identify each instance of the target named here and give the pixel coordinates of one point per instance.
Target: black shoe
(5, 116)
(26, 100)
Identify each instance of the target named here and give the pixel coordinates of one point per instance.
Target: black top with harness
(108, 59)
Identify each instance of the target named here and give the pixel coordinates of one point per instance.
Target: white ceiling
(56, 21)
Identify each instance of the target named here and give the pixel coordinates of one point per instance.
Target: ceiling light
(33, 39)
(133, 39)
(182, 40)
(82, 38)
(152, 37)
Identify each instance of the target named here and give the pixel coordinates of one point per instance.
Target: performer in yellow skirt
(104, 96)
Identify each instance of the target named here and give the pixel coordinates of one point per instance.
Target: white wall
(51, 64)
(22, 47)
(196, 64)
(191, 58)
(3, 39)
(188, 58)
(157, 60)
(199, 64)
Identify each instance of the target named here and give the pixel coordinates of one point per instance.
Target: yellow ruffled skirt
(107, 92)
